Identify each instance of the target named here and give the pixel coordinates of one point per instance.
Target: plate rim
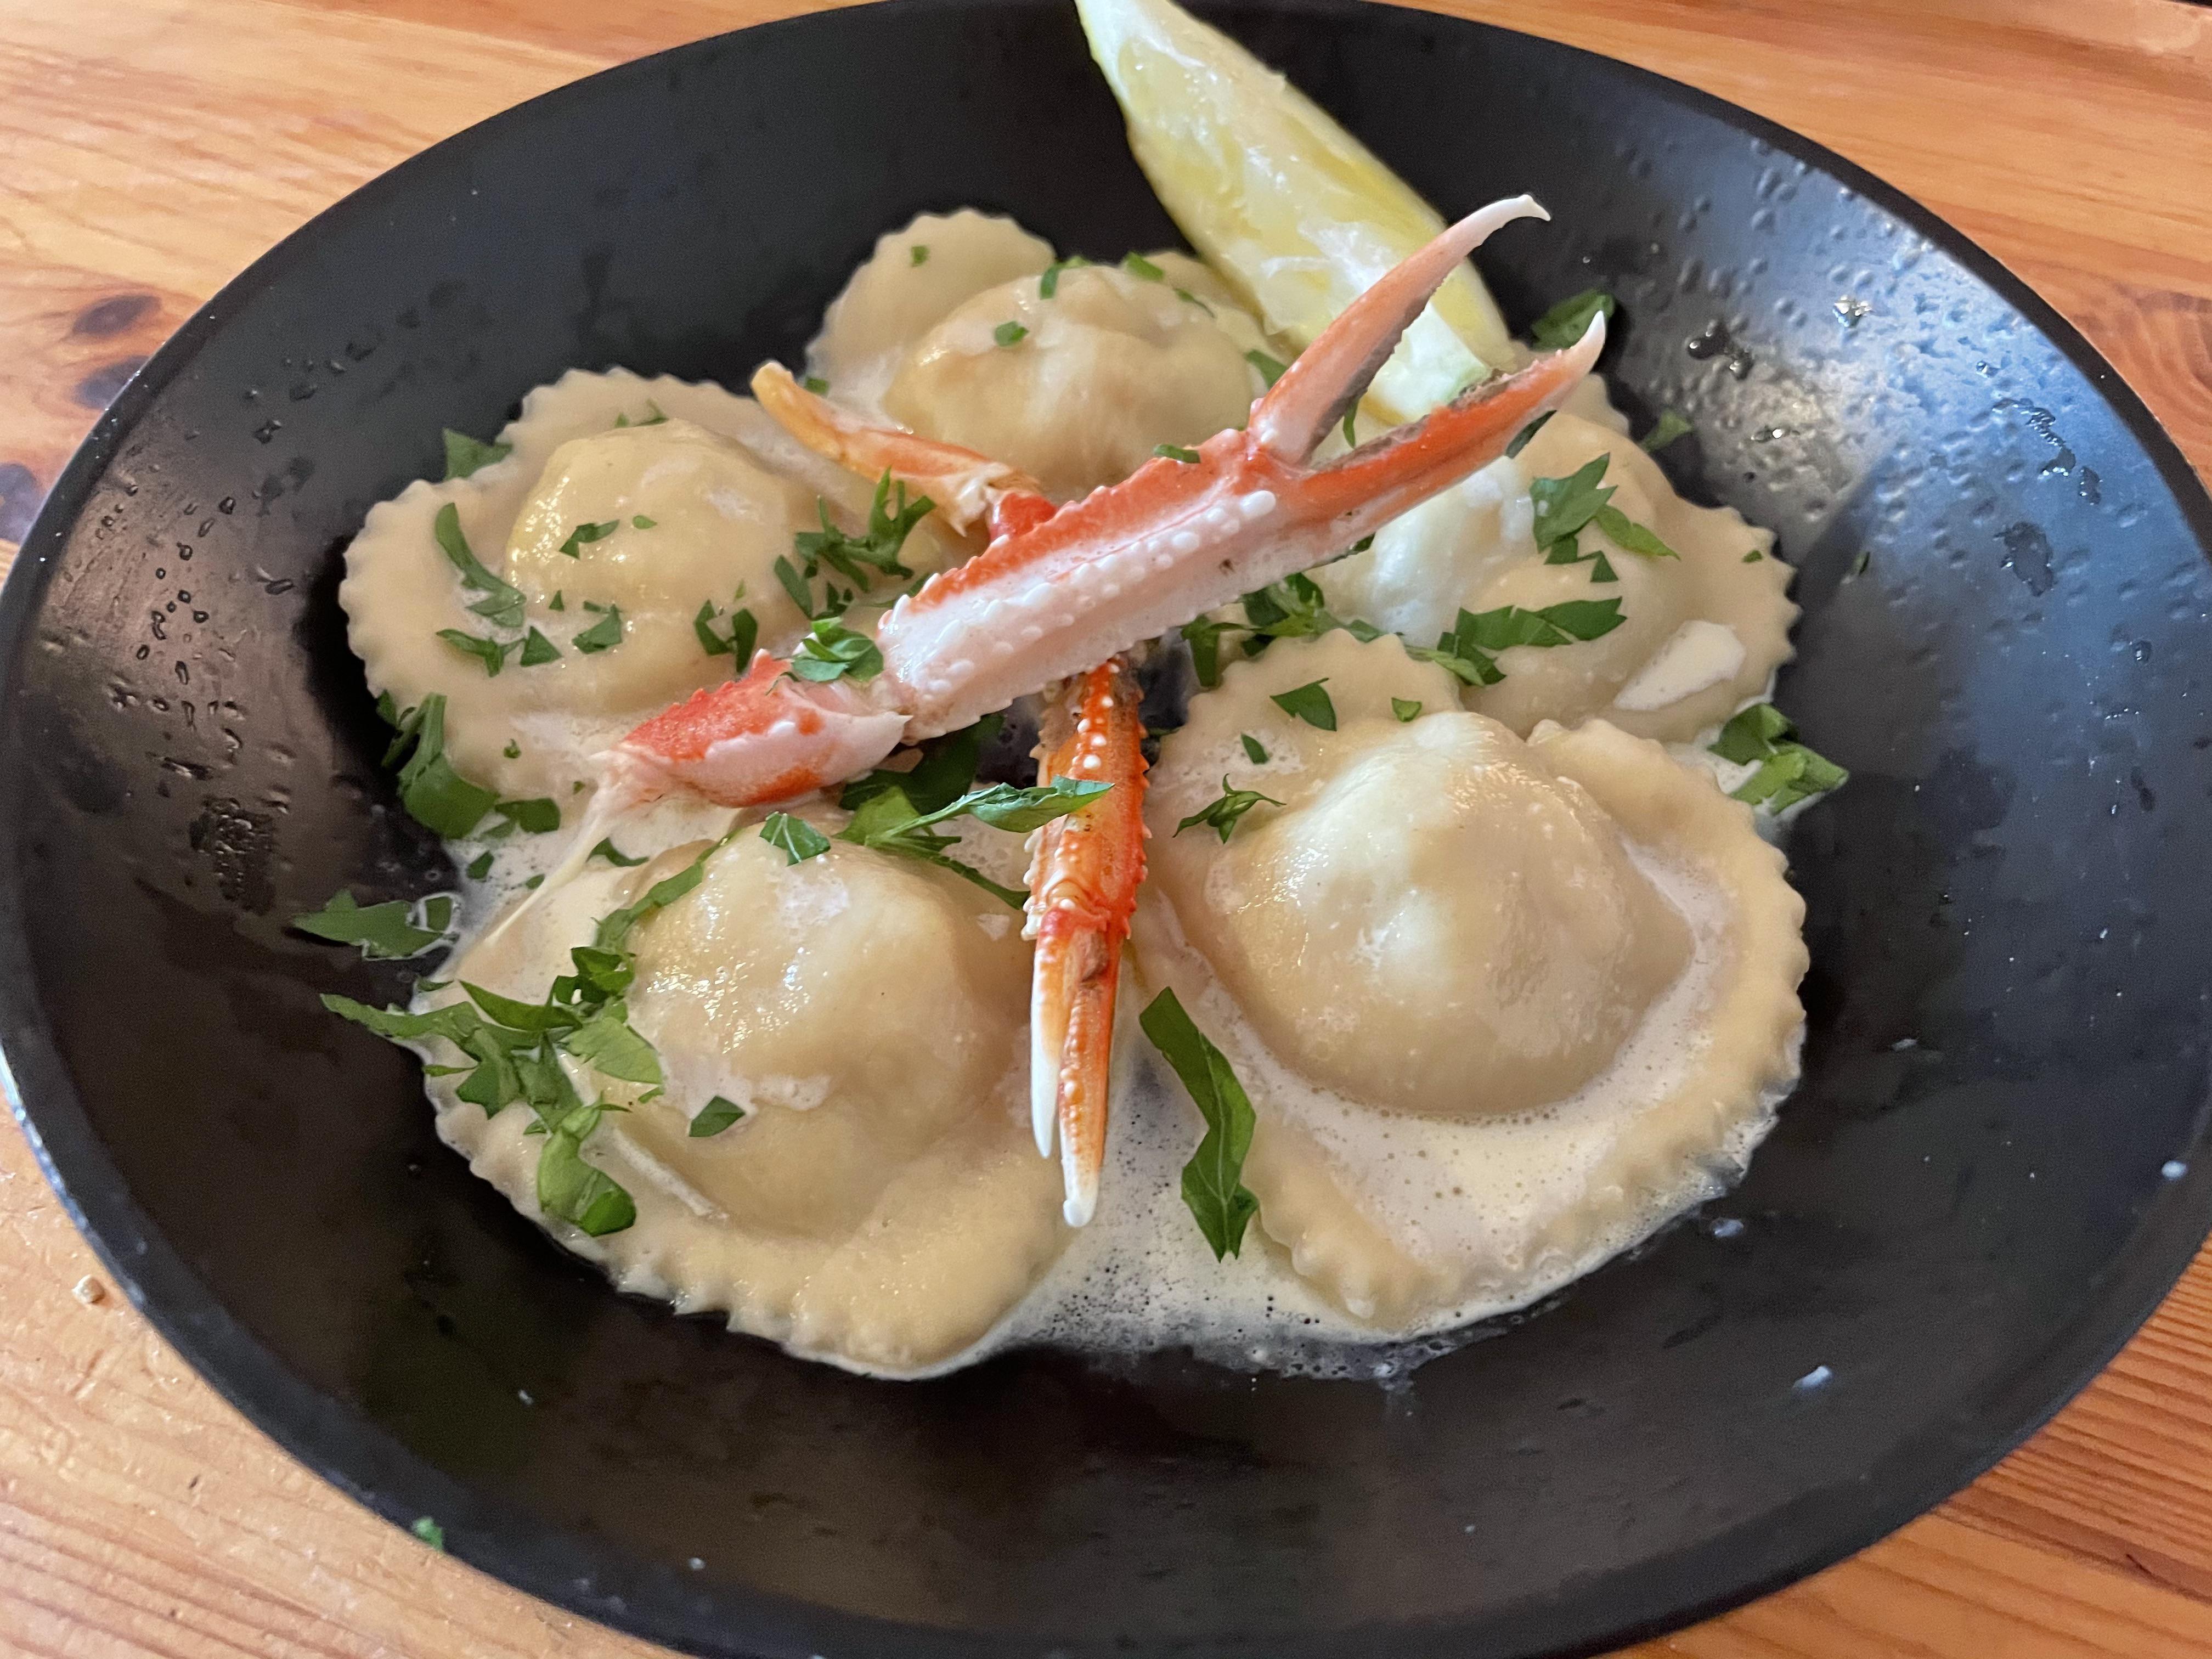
(365, 1464)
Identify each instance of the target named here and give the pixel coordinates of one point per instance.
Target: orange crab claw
(1083, 888)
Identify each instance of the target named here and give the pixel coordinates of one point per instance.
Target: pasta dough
(1702, 634)
(722, 490)
(881, 1204)
(1500, 1005)
(1076, 388)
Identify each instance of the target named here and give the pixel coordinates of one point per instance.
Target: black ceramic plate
(1993, 1168)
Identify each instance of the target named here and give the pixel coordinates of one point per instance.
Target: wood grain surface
(149, 149)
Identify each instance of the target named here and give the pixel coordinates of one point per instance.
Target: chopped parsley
(503, 604)
(1310, 703)
(1137, 265)
(816, 384)
(430, 1533)
(891, 519)
(613, 855)
(919, 253)
(1564, 506)
(1351, 426)
(1271, 369)
(945, 771)
(464, 455)
(739, 643)
(716, 1116)
(656, 419)
(435, 795)
(1466, 650)
(1404, 707)
(639, 521)
(1521, 438)
(888, 821)
(492, 653)
(513, 750)
(1566, 323)
(1048, 284)
(540, 815)
(1010, 334)
(602, 635)
(1223, 815)
(1188, 298)
(832, 651)
(480, 865)
(1175, 452)
(538, 650)
(1253, 750)
(390, 931)
(585, 534)
(1671, 424)
(795, 838)
(1788, 772)
(1213, 1180)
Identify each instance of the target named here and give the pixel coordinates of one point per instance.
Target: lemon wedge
(1284, 202)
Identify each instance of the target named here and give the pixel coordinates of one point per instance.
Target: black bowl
(1993, 1168)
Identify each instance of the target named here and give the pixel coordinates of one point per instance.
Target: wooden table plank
(149, 149)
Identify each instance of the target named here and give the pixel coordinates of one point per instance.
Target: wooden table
(150, 148)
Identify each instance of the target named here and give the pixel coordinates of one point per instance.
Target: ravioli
(1077, 388)
(1702, 634)
(881, 1203)
(1499, 1004)
(652, 518)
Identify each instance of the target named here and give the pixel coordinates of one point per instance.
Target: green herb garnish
(1188, 298)
(1175, 452)
(492, 653)
(427, 1530)
(480, 865)
(1253, 750)
(1223, 815)
(540, 815)
(504, 604)
(795, 838)
(816, 384)
(1271, 369)
(919, 253)
(1048, 284)
(613, 855)
(602, 635)
(390, 931)
(1671, 424)
(1310, 703)
(585, 534)
(639, 521)
(1521, 438)
(434, 794)
(945, 772)
(1566, 323)
(1466, 651)
(1010, 334)
(1213, 1180)
(1137, 265)
(1789, 772)
(1404, 707)
(716, 1116)
(888, 822)
(739, 643)
(832, 651)
(891, 519)
(464, 455)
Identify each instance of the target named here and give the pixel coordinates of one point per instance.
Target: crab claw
(1178, 538)
(1083, 887)
(766, 736)
(965, 488)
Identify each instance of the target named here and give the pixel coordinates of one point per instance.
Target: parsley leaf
(1310, 703)
(639, 521)
(741, 640)
(919, 253)
(504, 605)
(888, 822)
(1175, 452)
(832, 651)
(1137, 265)
(1010, 334)
(1564, 505)
(1253, 750)
(577, 1192)
(538, 650)
(945, 771)
(1789, 772)
(716, 1116)
(464, 455)
(1671, 424)
(585, 534)
(614, 927)
(1404, 707)
(1223, 815)
(1188, 298)
(492, 653)
(1631, 535)
(1213, 1180)
(795, 838)
(435, 794)
(1521, 438)
(891, 519)
(424, 1527)
(1465, 652)
(540, 815)
(1048, 284)
(480, 865)
(1566, 323)
(602, 635)
(1271, 369)
(389, 931)
(613, 855)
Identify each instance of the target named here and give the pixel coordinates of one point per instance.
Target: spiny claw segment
(1176, 539)
(1083, 889)
(967, 488)
(764, 737)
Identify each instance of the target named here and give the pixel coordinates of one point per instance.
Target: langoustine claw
(1082, 890)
